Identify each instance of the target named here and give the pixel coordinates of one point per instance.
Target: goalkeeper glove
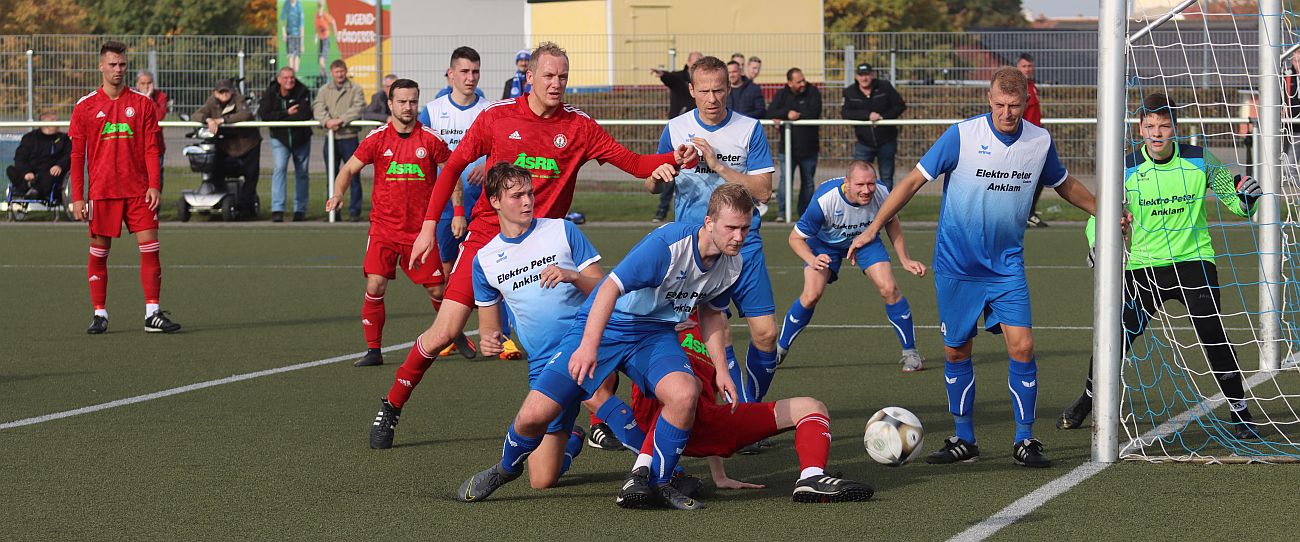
(1248, 190)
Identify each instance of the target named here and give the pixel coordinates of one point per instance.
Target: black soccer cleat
(954, 450)
(1029, 453)
(1243, 426)
(465, 346)
(159, 323)
(687, 484)
(671, 497)
(479, 486)
(97, 325)
(381, 432)
(600, 436)
(751, 449)
(636, 492)
(1072, 417)
(824, 489)
(372, 358)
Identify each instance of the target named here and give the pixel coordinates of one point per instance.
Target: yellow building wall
(784, 33)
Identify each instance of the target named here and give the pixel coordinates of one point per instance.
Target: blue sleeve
(812, 220)
(443, 92)
(479, 91)
(760, 155)
(665, 142)
(943, 155)
(484, 293)
(1053, 172)
(424, 114)
(644, 267)
(584, 254)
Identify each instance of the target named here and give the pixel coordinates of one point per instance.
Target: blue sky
(1062, 8)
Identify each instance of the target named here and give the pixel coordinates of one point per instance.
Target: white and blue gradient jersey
(987, 195)
(739, 142)
(662, 280)
(508, 269)
(835, 221)
(450, 121)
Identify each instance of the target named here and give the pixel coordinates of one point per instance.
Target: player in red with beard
(115, 129)
(550, 139)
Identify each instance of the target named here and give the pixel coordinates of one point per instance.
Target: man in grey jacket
(338, 103)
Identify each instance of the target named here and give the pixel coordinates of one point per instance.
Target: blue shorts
(752, 293)
(568, 413)
(645, 359)
(962, 301)
(448, 244)
(867, 256)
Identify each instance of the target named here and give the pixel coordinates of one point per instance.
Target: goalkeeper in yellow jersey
(1171, 257)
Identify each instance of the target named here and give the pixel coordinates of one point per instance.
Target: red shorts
(460, 287)
(107, 215)
(383, 257)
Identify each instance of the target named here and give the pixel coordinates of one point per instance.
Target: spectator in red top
(1034, 114)
(144, 82)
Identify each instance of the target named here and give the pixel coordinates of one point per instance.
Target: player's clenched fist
(491, 344)
(79, 210)
(820, 262)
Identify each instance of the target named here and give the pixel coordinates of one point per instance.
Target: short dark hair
(504, 175)
(112, 46)
(1026, 57)
(732, 63)
(789, 74)
(730, 196)
(403, 83)
(467, 53)
(338, 63)
(1159, 105)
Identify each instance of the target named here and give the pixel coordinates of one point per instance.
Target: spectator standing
(874, 99)
(798, 100)
(1033, 114)
(753, 68)
(42, 159)
(738, 58)
(338, 103)
(144, 82)
(239, 150)
(745, 96)
(288, 99)
(679, 101)
(518, 85)
(291, 30)
(378, 108)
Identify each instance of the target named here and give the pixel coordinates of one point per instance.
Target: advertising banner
(313, 33)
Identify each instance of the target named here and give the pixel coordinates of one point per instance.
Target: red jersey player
(405, 154)
(115, 130)
(542, 134)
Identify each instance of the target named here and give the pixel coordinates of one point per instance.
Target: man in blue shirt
(992, 163)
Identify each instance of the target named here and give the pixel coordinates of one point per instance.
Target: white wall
(424, 32)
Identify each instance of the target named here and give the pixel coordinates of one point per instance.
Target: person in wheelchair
(40, 163)
(239, 150)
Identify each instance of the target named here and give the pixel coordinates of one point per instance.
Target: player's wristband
(458, 210)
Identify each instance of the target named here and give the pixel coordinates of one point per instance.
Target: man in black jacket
(795, 101)
(679, 101)
(874, 99)
(378, 108)
(42, 158)
(288, 99)
(745, 97)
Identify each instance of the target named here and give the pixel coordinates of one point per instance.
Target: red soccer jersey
(1033, 113)
(120, 139)
(404, 175)
(552, 148)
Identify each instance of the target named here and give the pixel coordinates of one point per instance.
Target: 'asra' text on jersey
(738, 142)
(833, 219)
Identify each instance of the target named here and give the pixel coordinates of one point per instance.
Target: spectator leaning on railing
(144, 82)
(798, 100)
(288, 99)
(873, 99)
(41, 159)
(745, 97)
(239, 150)
(337, 103)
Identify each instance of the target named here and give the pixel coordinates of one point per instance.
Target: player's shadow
(435, 441)
(9, 379)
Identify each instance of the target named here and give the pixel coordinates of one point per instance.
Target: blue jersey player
(840, 210)
(733, 150)
(628, 325)
(992, 163)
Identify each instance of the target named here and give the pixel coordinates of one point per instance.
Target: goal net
(1182, 397)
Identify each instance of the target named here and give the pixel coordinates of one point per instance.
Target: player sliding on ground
(840, 210)
(992, 163)
(536, 131)
(1171, 257)
(628, 325)
(405, 154)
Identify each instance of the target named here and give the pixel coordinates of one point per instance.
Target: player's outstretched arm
(341, 182)
(718, 471)
(582, 364)
(902, 193)
(895, 230)
(1077, 194)
(423, 245)
(713, 323)
(458, 222)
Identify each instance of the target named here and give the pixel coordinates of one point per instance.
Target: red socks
(150, 272)
(372, 320)
(97, 276)
(812, 441)
(409, 374)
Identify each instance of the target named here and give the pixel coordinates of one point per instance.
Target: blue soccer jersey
(450, 121)
(739, 142)
(988, 193)
(833, 220)
(663, 279)
(508, 269)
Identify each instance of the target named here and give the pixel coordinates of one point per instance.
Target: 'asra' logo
(116, 128)
(395, 168)
(536, 162)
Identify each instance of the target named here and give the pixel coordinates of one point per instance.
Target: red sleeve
(366, 150)
(152, 147)
(471, 147)
(606, 150)
(78, 160)
(441, 152)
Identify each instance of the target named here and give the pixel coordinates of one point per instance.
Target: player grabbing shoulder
(840, 210)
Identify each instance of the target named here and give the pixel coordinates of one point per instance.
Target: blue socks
(1022, 379)
(762, 366)
(795, 320)
(620, 420)
(669, 441)
(959, 377)
(571, 450)
(516, 450)
(900, 317)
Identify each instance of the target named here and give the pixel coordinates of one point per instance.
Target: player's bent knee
(678, 391)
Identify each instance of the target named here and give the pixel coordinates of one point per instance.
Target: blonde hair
(546, 48)
(730, 196)
(1008, 80)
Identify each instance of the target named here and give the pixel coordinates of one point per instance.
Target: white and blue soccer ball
(894, 436)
